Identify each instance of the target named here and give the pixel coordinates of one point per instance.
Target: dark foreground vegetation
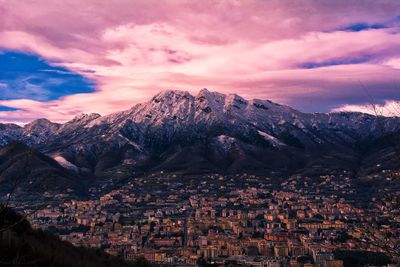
(20, 245)
(362, 258)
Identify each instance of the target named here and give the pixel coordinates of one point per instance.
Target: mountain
(25, 169)
(209, 132)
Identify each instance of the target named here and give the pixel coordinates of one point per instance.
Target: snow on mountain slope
(9, 132)
(65, 163)
(273, 140)
(173, 110)
(38, 131)
(171, 120)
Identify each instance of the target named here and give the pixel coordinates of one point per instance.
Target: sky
(62, 58)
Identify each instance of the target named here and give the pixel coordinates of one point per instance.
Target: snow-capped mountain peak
(208, 123)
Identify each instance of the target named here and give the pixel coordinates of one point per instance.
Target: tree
(375, 235)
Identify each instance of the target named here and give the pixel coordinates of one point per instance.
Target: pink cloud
(389, 108)
(133, 49)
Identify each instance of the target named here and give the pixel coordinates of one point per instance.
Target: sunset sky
(61, 58)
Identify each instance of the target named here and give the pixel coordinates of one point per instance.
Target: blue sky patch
(335, 62)
(362, 27)
(28, 76)
(5, 108)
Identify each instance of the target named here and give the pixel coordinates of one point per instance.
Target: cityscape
(155, 133)
(245, 220)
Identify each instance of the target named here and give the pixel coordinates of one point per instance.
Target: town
(243, 219)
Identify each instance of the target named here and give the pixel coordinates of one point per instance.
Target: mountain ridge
(207, 132)
(25, 168)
